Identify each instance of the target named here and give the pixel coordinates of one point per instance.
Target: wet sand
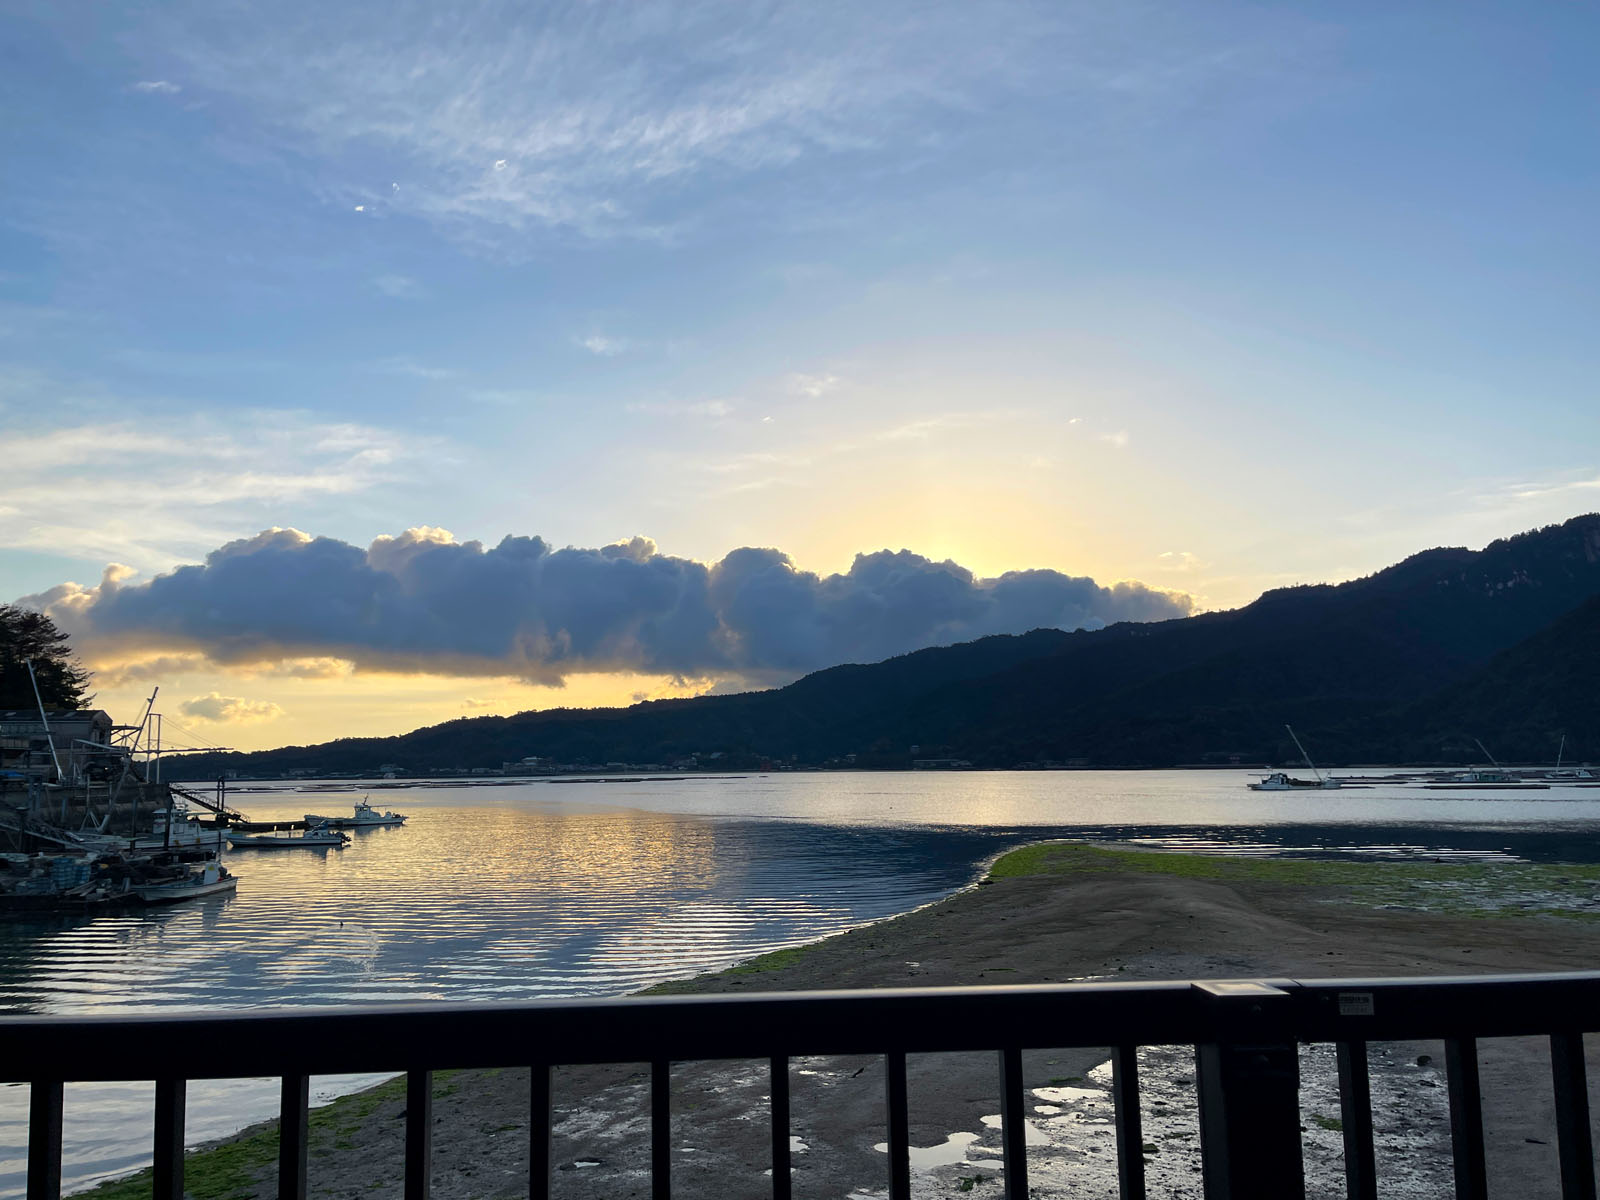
(1081, 914)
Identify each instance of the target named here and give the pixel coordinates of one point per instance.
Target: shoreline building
(65, 747)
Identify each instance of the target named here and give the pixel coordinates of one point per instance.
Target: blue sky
(1210, 297)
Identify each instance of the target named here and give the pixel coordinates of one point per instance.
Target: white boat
(186, 833)
(210, 881)
(1484, 775)
(1282, 781)
(366, 817)
(1567, 774)
(318, 838)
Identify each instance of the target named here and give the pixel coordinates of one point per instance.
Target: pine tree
(32, 635)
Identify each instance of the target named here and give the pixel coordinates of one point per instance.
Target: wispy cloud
(602, 346)
(1117, 438)
(399, 287)
(812, 386)
(1571, 485)
(223, 709)
(599, 118)
(157, 87)
(764, 461)
(925, 428)
(688, 408)
(160, 669)
(1179, 560)
(154, 492)
(401, 365)
(508, 397)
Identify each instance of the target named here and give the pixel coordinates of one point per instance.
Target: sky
(364, 366)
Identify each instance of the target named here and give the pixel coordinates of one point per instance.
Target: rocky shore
(1048, 913)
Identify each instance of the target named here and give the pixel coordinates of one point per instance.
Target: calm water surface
(506, 891)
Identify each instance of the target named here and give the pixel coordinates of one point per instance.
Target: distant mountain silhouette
(1501, 642)
(1521, 703)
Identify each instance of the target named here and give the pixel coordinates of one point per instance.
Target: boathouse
(81, 738)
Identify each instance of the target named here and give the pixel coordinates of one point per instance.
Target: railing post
(898, 1105)
(539, 1122)
(419, 1134)
(1355, 1114)
(1576, 1143)
(1130, 1122)
(1249, 1085)
(782, 1184)
(1466, 1118)
(294, 1132)
(168, 1169)
(661, 1130)
(44, 1139)
(1013, 1124)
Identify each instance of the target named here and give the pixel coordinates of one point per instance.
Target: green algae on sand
(1486, 889)
(234, 1169)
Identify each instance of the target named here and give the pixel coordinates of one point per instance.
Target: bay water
(510, 890)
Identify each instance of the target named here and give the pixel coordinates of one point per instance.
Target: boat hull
(173, 893)
(286, 843)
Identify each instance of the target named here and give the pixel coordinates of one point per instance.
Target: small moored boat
(366, 817)
(207, 882)
(317, 837)
(1282, 781)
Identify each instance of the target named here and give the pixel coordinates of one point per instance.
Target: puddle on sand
(1032, 1135)
(796, 1146)
(1068, 1095)
(946, 1154)
(1072, 1142)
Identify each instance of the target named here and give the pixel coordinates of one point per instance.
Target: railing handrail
(347, 1039)
(1247, 1072)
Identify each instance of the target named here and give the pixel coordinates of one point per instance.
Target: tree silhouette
(32, 635)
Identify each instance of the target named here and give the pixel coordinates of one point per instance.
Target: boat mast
(37, 699)
(1490, 757)
(1561, 751)
(1304, 755)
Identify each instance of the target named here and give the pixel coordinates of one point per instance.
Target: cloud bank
(220, 708)
(424, 602)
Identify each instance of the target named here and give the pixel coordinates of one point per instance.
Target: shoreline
(1044, 912)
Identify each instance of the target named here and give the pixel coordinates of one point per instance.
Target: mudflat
(1048, 913)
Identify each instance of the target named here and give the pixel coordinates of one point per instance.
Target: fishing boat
(1282, 781)
(1494, 778)
(1484, 775)
(1567, 774)
(366, 817)
(316, 837)
(210, 881)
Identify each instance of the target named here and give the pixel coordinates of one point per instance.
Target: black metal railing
(1245, 1034)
